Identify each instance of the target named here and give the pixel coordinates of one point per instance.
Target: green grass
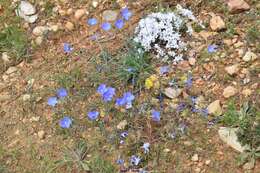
(101, 166)
(14, 41)
(253, 34)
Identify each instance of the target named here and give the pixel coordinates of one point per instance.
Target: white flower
(162, 33)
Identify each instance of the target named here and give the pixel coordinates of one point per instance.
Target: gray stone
(11, 70)
(109, 15)
(27, 11)
(172, 93)
(229, 136)
(215, 108)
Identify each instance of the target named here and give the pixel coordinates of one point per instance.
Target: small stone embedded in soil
(122, 125)
(229, 136)
(26, 97)
(11, 70)
(5, 57)
(94, 3)
(41, 134)
(69, 26)
(195, 158)
(249, 165)
(229, 91)
(172, 92)
(192, 61)
(249, 56)
(233, 69)
(207, 162)
(109, 15)
(247, 92)
(27, 11)
(215, 108)
(236, 6)
(40, 30)
(79, 13)
(217, 23)
(39, 40)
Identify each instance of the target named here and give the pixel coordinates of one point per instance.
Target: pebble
(79, 13)
(192, 61)
(40, 30)
(233, 69)
(109, 15)
(4, 97)
(5, 57)
(11, 70)
(27, 11)
(215, 108)
(236, 6)
(229, 91)
(172, 93)
(94, 3)
(249, 56)
(207, 162)
(54, 28)
(41, 134)
(217, 23)
(39, 40)
(195, 158)
(69, 26)
(26, 97)
(122, 125)
(249, 165)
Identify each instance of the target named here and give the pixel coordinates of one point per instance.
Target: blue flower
(120, 161)
(93, 115)
(135, 160)
(126, 100)
(124, 134)
(67, 48)
(62, 92)
(52, 101)
(156, 115)
(130, 69)
(212, 48)
(106, 26)
(126, 14)
(65, 122)
(193, 100)
(119, 24)
(146, 147)
(188, 82)
(164, 70)
(102, 89)
(204, 112)
(106, 92)
(109, 94)
(92, 21)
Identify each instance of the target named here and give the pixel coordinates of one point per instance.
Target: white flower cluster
(162, 33)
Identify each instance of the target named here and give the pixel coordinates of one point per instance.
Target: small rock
(229, 92)
(246, 80)
(79, 13)
(192, 61)
(217, 23)
(27, 8)
(229, 136)
(215, 108)
(35, 119)
(109, 15)
(27, 11)
(207, 162)
(11, 70)
(172, 93)
(233, 69)
(166, 150)
(122, 125)
(54, 28)
(94, 3)
(5, 57)
(39, 40)
(249, 56)
(69, 11)
(41, 134)
(69, 26)
(26, 97)
(195, 158)
(197, 170)
(247, 92)
(236, 6)
(40, 30)
(187, 143)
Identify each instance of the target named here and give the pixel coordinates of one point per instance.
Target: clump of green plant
(73, 159)
(253, 34)
(247, 120)
(14, 41)
(101, 166)
(134, 65)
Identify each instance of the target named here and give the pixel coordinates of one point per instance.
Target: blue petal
(67, 48)
(65, 122)
(62, 92)
(126, 14)
(106, 26)
(52, 101)
(119, 24)
(93, 115)
(92, 21)
(102, 89)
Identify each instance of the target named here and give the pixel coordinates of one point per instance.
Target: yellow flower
(148, 83)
